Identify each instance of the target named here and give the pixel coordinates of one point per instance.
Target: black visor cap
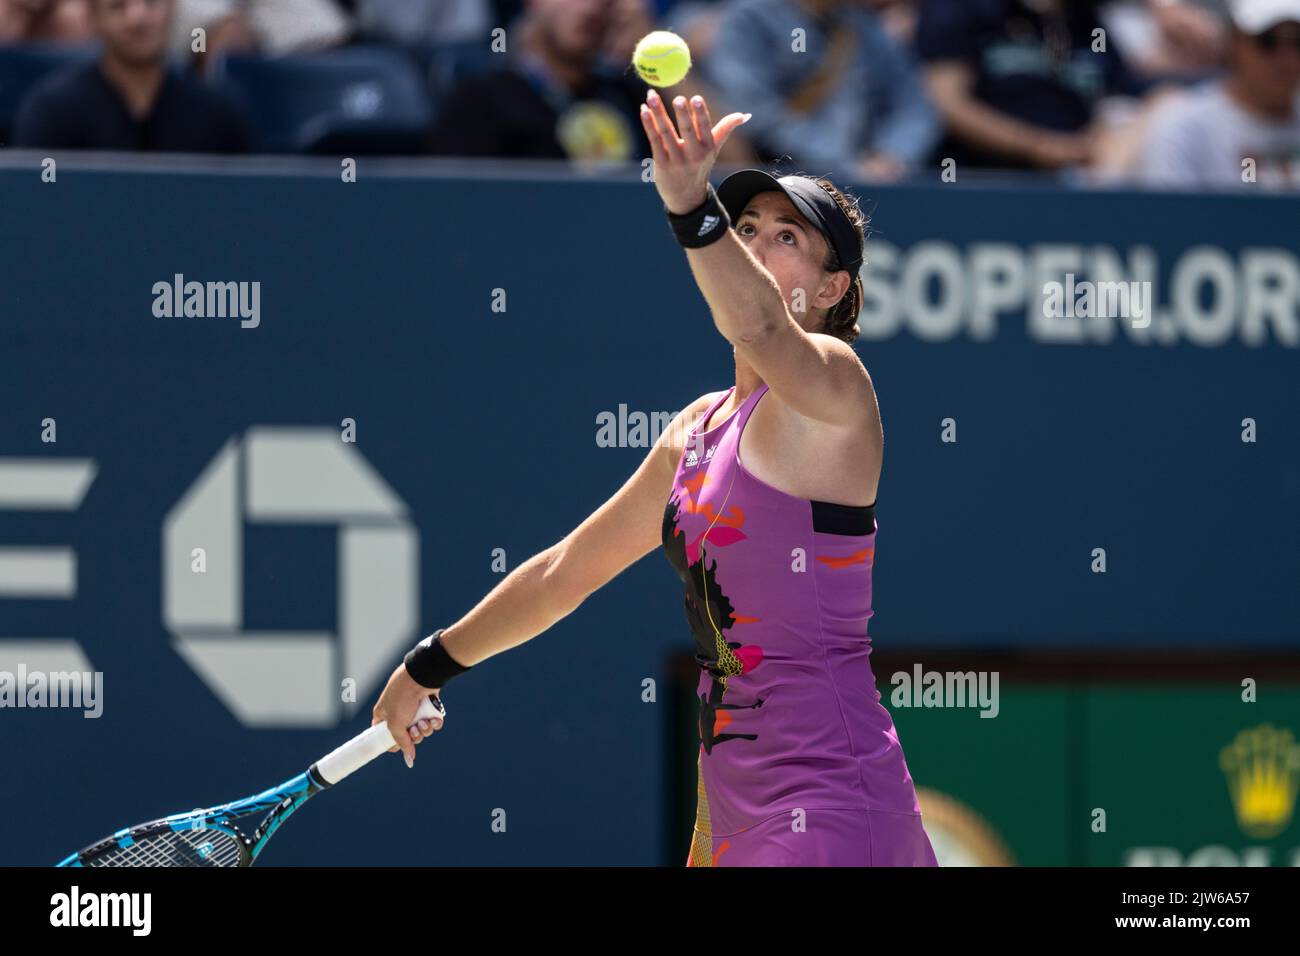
(813, 202)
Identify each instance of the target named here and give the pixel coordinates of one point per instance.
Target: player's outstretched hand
(682, 162)
(396, 707)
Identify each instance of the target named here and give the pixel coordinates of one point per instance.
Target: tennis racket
(211, 838)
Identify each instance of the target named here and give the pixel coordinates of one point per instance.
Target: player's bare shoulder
(673, 439)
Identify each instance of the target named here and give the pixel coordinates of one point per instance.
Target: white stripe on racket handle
(366, 746)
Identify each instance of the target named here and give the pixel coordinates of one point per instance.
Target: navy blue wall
(376, 305)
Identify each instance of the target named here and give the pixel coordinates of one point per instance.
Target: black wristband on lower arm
(429, 664)
(706, 223)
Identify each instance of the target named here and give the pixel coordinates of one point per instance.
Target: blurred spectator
(898, 17)
(632, 19)
(551, 98)
(565, 89)
(507, 12)
(1017, 81)
(45, 20)
(129, 98)
(1245, 127)
(851, 104)
(421, 22)
(272, 27)
(696, 22)
(1168, 37)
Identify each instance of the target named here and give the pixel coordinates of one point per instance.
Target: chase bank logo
(282, 476)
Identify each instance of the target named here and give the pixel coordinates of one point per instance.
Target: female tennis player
(770, 523)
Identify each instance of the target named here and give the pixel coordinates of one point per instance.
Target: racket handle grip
(366, 746)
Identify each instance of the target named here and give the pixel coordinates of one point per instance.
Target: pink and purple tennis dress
(799, 762)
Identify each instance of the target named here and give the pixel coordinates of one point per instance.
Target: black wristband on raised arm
(706, 223)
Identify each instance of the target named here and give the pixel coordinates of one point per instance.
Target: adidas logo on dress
(693, 459)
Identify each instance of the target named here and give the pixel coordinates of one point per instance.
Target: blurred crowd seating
(871, 89)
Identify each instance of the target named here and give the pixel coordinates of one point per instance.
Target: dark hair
(842, 318)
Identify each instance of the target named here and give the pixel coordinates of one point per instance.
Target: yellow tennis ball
(662, 58)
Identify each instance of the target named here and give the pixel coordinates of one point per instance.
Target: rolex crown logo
(1263, 769)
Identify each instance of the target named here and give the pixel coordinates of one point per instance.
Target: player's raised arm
(817, 375)
(547, 587)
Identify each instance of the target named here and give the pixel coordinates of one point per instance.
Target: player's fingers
(695, 150)
(703, 121)
(697, 135)
(671, 140)
(658, 148)
(420, 730)
(728, 125)
(401, 740)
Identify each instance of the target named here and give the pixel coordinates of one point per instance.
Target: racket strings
(180, 848)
